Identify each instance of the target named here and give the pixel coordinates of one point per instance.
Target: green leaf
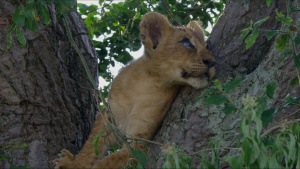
(287, 52)
(259, 22)
(69, 2)
(95, 142)
(270, 90)
(216, 82)
(273, 162)
(250, 40)
(29, 12)
(30, 1)
(297, 40)
(22, 146)
(19, 16)
(255, 151)
(43, 11)
(35, 26)
(295, 81)
(262, 103)
(285, 20)
(290, 100)
(236, 162)
(141, 156)
(9, 37)
(232, 85)
(212, 90)
(297, 61)
(292, 148)
(251, 23)
(20, 36)
(178, 19)
(267, 116)
(295, 9)
(215, 100)
(247, 153)
(245, 32)
(245, 128)
(268, 2)
(282, 42)
(271, 34)
(262, 159)
(3, 156)
(228, 109)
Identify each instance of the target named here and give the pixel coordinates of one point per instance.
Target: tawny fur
(143, 91)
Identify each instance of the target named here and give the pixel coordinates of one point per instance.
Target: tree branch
(170, 13)
(277, 127)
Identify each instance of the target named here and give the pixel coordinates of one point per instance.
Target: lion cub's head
(178, 53)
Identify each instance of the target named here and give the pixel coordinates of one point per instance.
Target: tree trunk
(46, 99)
(191, 125)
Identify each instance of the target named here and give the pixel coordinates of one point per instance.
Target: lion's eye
(186, 42)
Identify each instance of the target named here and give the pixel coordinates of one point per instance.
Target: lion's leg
(87, 156)
(138, 126)
(119, 159)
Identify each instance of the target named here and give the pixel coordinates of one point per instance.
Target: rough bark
(46, 99)
(191, 125)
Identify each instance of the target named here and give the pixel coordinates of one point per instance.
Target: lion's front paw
(66, 161)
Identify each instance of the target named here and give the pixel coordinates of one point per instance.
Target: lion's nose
(208, 63)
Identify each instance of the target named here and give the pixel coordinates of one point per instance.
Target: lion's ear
(153, 29)
(195, 26)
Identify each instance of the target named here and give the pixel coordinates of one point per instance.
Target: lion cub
(143, 91)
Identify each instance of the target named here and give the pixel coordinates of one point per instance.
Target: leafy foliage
(12, 147)
(288, 39)
(255, 151)
(29, 15)
(114, 26)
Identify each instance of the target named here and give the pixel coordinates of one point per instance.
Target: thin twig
(145, 140)
(120, 136)
(211, 149)
(288, 116)
(187, 16)
(277, 127)
(170, 13)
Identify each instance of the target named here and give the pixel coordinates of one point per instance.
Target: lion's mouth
(194, 74)
(204, 75)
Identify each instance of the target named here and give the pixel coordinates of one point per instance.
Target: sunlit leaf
(269, 2)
